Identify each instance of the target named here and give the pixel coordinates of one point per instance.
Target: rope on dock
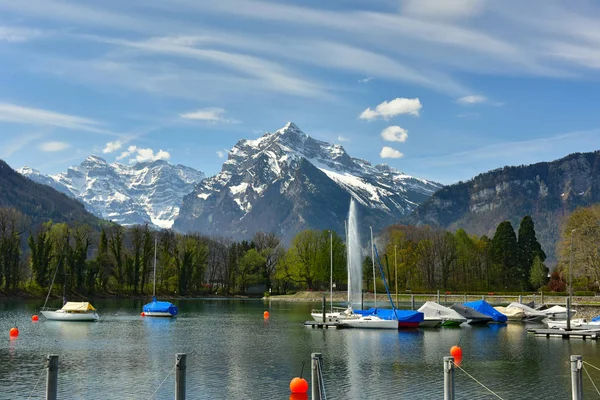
(322, 381)
(591, 380)
(169, 374)
(593, 366)
(36, 383)
(485, 387)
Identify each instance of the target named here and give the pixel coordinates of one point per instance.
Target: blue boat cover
(160, 306)
(485, 308)
(388, 313)
(596, 319)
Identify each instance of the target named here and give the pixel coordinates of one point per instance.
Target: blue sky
(439, 89)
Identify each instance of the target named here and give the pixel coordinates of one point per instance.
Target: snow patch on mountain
(148, 192)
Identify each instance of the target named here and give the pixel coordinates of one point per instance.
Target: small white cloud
(398, 106)
(394, 134)
(366, 80)
(54, 146)
(111, 147)
(221, 153)
(474, 99)
(388, 152)
(343, 139)
(143, 155)
(446, 9)
(211, 114)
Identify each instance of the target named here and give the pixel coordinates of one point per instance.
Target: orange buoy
(34, 318)
(455, 351)
(299, 385)
(457, 361)
(299, 396)
(143, 314)
(266, 314)
(14, 332)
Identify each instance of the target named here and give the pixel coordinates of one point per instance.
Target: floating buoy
(455, 351)
(14, 332)
(299, 396)
(143, 314)
(457, 361)
(34, 318)
(299, 385)
(266, 314)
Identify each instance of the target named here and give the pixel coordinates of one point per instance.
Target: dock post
(445, 298)
(448, 378)
(534, 299)
(362, 300)
(483, 297)
(465, 298)
(52, 377)
(438, 296)
(315, 376)
(576, 378)
(542, 295)
(568, 314)
(520, 299)
(412, 302)
(180, 376)
(323, 308)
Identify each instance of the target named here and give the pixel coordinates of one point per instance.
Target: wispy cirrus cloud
(19, 143)
(12, 34)
(387, 110)
(35, 116)
(52, 147)
(341, 138)
(472, 99)
(211, 114)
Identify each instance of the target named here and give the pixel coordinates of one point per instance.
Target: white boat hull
(157, 314)
(60, 315)
(430, 322)
(370, 323)
(579, 324)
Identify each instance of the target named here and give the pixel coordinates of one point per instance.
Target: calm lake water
(233, 353)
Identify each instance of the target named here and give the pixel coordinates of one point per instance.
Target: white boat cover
(512, 313)
(81, 306)
(557, 310)
(435, 310)
(529, 312)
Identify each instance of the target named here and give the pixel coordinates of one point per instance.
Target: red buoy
(266, 314)
(298, 396)
(455, 351)
(143, 314)
(34, 318)
(299, 385)
(14, 332)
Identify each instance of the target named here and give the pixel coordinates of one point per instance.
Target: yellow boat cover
(78, 306)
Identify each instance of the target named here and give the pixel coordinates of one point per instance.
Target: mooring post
(412, 301)
(315, 376)
(542, 295)
(576, 378)
(465, 298)
(362, 300)
(323, 308)
(180, 376)
(568, 314)
(448, 378)
(438, 296)
(483, 297)
(534, 299)
(445, 298)
(52, 377)
(520, 299)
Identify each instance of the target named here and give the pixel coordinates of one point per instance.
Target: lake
(233, 353)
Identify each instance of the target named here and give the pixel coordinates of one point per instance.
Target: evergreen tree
(529, 247)
(505, 256)
(538, 275)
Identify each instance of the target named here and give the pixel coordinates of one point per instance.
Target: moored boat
(530, 313)
(486, 308)
(578, 324)
(512, 313)
(384, 318)
(158, 308)
(473, 317)
(72, 311)
(557, 313)
(447, 316)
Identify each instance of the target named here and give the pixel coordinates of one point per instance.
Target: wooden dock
(324, 325)
(591, 334)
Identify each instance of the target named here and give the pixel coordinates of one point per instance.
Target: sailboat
(158, 308)
(71, 310)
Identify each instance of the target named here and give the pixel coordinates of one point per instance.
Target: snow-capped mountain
(148, 192)
(287, 181)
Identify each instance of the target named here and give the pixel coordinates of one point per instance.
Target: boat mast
(331, 268)
(373, 259)
(349, 263)
(64, 283)
(154, 286)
